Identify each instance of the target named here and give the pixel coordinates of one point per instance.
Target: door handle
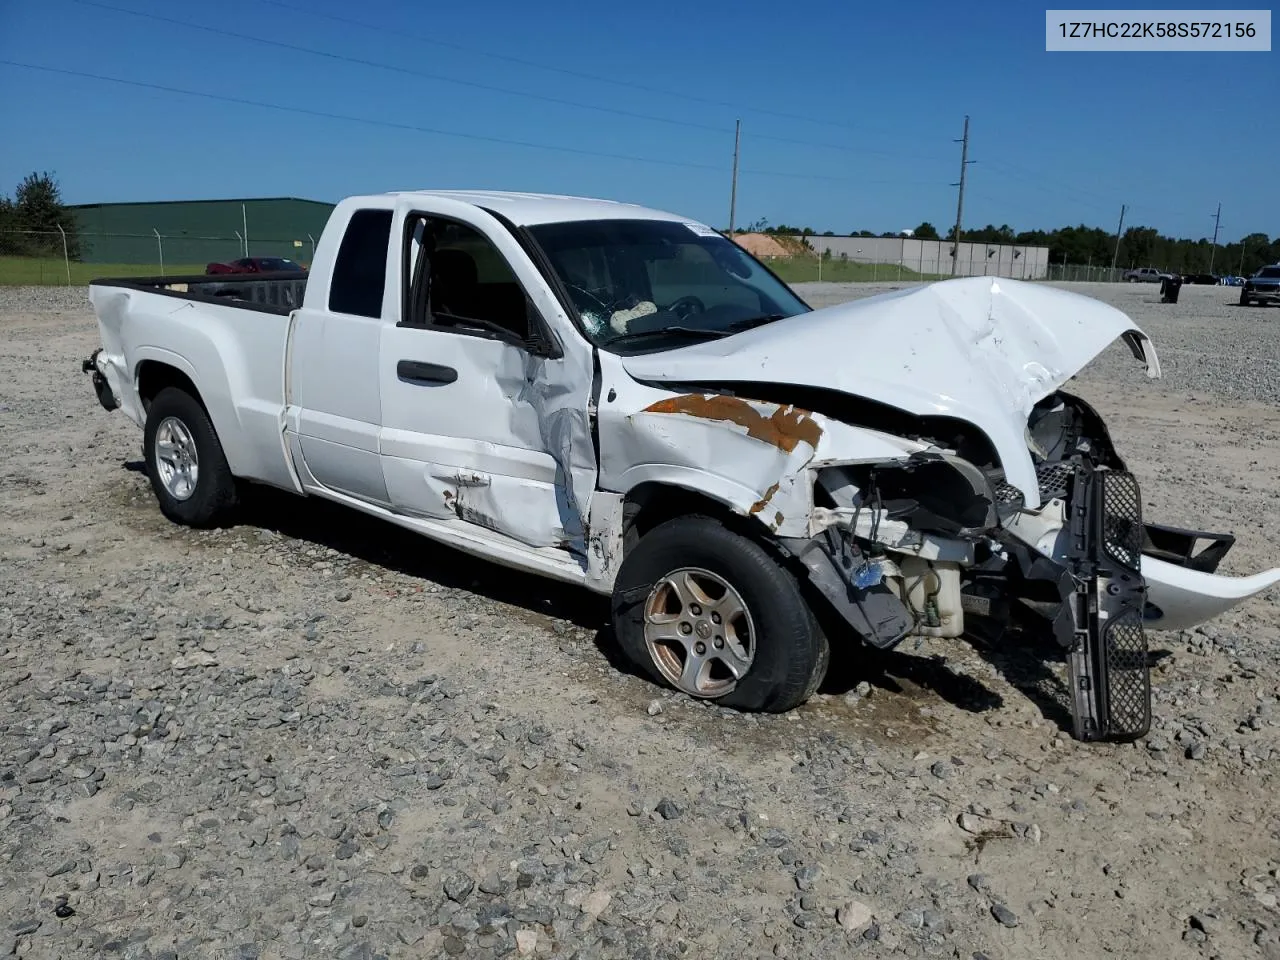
(415, 371)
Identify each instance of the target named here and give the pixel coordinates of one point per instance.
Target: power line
(436, 131)
(408, 71)
(472, 84)
(565, 71)
(350, 118)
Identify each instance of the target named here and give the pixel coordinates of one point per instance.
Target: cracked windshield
(652, 284)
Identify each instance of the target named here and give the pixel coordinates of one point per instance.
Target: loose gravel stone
(854, 916)
(1004, 915)
(298, 735)
(668, 810)
(458, 886)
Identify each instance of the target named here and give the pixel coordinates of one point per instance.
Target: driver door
(484, 414)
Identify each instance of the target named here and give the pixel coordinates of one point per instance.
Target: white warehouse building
(934, 256)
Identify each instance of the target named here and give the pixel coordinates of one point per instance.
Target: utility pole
(733, 189)
(1217, 217)
(964, 163)
(1119, 230)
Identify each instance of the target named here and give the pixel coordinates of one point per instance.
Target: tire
(213, 496)
(788, 651)
(1244, 299)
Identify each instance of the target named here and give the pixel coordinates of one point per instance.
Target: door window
(458, 280)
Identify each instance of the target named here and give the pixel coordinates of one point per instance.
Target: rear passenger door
(484, 407)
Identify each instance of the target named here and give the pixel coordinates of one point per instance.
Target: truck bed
(267, 292)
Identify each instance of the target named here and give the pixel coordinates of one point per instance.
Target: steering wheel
(686, 306)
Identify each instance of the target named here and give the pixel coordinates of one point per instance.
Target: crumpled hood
(981, 349)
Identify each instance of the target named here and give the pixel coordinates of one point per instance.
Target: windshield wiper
(739, 325)
(687, 332)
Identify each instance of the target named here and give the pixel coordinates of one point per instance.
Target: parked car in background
(1144, 275)
(257, 265)
(1262, 288)
(1207, 279)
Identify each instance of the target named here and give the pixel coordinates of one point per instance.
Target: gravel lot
(314, 735)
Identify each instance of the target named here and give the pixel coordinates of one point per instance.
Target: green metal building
(191, 233)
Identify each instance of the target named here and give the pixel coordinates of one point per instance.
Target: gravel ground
(314, 735)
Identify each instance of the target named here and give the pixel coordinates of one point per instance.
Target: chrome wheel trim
(699, 632)
(177, 462)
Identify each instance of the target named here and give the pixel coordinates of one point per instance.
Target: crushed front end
(938, 545)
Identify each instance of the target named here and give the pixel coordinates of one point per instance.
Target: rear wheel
(188, 470)
(712, 614)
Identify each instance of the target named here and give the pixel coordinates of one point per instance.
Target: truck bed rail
(268, 292)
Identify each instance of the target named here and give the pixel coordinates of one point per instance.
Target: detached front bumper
(101, 387)
(1125, 576)
(1182, 588)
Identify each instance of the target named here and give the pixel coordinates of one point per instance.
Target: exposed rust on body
(764, 501)
(785, 428)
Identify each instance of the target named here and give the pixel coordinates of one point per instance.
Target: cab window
(457, 279)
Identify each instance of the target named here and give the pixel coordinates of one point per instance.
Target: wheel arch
(653, 502)
(155, 369)
(673, 492)
(152, 376)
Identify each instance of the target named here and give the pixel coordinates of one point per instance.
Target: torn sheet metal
(513, 506)
(604, 538)
(779, 426)
(975, 348)
(759, 450)
(517, 419)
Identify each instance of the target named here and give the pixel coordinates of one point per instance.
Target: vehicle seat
(454, 283)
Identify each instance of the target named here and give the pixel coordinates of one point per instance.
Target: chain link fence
(40, 257)
(1086, 273)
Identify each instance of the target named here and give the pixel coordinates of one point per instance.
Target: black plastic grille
(1007, 493)
(1121, 518)
(1128, 676)
(1054, 479)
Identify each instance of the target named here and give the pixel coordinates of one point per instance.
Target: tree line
(29, 225)
(29, 221)
(1139, 246)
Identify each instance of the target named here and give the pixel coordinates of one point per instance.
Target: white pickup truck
(624, 399)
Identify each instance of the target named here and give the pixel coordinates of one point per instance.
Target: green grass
(804, 269)
(52, 271)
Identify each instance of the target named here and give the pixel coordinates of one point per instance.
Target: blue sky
(1059, 138)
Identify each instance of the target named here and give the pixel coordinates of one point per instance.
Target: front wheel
(712, 614)
(188, 470)
(1244, 299)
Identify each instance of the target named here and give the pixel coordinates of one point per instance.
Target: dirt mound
(760, 245)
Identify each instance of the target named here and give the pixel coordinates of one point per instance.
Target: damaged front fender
(761, 460)
(751, 456)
